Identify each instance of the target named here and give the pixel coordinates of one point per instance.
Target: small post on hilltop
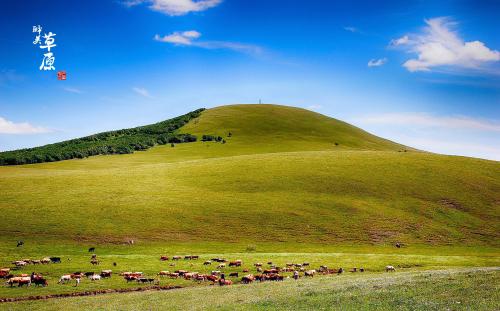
(260, 101)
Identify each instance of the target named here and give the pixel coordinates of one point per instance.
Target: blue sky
(423, 73)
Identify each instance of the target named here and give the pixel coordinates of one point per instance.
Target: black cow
(55, 259)
(92, 249)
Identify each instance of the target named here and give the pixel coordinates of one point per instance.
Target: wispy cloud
(9, 127)
(9, 76)
(377, 62)
(314, 107)
(175, 7)
(351, 29)
(440, 46)
(73, 90)
(426, 120)
(189, 38)
(142, 91)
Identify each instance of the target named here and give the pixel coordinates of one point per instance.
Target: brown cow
(164, 258)
(225, 282)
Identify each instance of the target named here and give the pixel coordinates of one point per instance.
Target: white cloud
(189, 38)
(179, 38)
(314, 107)
(73, 90)
(351, 29)
(455, 135)
(142, 91)
(377, 62)
(426, 120)
(175, 7)
(9, 127)
(441, 46)
(401, 41)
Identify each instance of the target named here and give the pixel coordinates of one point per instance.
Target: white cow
(64, 279)
(95, 277)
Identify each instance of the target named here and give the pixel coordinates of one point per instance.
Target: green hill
(279, 178)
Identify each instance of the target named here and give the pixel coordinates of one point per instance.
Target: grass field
(279, 189)
(279, 178)
(455, 289)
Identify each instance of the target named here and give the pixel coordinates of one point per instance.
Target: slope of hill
(278, 178)
(273, 128)
(113, 142)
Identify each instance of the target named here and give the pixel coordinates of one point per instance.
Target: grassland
(288, 185)
(279, 178)
(455, 289)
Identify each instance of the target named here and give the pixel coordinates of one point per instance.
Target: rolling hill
(283, 175)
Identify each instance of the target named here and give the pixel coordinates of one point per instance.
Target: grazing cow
(296, 275)
(248, 279)
(92, 249)
(208, 262)
(95, 277)
(270, 263)
(398, 245)
(275, 277)
(221, 265)
(163, 273)
(194, 257)
(20, 281)
(270, 271)
(88, 274)
(187, 257)
(361, 269)
(94, 256)
(20, 243)
(55, 259)
(173, 275)
(235, 274)
(164, 258)
(354, 270)
(45, 260)
(390, 268)
(259, 269)
(212, 278)
(94, 261)
(190, 275)
(176, 257)
(236, 263)
(245, 270)
(36, 262)
(219, 259)
(145, 280)
(64, 279)
(20, 263)
(215, 272)
(289, 264)
(323, 268)
(40, 281)
(258, 264)
(310, 273)
(4, 272)
(223, 282)
(181, 272)
(106, 273)
(340, 271)
(305, 264)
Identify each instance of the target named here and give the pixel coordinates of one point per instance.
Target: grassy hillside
(279, 178)
(272, 128)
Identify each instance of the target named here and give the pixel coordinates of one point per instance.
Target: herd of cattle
(263, 272)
